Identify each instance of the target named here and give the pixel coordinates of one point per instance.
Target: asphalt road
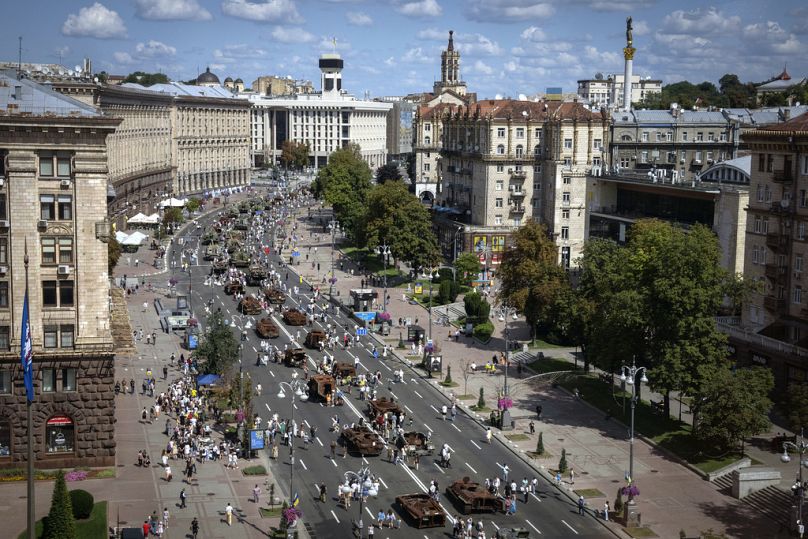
(547, 514)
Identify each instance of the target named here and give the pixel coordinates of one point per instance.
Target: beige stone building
(281, 86)
(53, 202)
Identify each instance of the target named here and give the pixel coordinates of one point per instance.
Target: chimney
(786, 115)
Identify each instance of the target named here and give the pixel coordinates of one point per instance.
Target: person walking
(183, 496)
(256, 494)
(572, 476)
(443, 411)
(505, 470)
(606, 510)
(228, 511)
(166, 514)
(581, 505)
(194, 527)
(488, 435)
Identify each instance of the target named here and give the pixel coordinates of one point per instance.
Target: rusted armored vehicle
(250, 305)
(471, 497)
(233, 287)
(423, 510)
(255, 275)
(295, 357)
(380, 406)
(212, 251)
(242, 223)
(343, 370)
(323, 388)
(209, 237)
(363, 440)
(241, 258)
(418, 442)
(233, 245)
(274, 296)
(266, 329)
(314, 338)
(220, 265)
(293, 317)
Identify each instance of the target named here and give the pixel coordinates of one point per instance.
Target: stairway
(773, 502)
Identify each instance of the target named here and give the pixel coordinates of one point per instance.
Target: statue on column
(629, 33)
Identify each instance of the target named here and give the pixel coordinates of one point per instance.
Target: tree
(172, 216)
(562, 463)
(735, 405)
(444, 292)
(448, 379)
(531, 278)
(477, 308)
(540, 444)
(294, 154)
(113, 252)
(481, 400)
(388, 172)
(467, 268)
(345, 183)
(219, 347)
(193, 204)
(411, 167)
(146, 79)
(397, 218)
(795, 407)
(60, 524)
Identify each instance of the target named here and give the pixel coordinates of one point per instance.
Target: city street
(547, 512)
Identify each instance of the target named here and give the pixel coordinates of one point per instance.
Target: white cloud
(533, 33)
(232, 53)
(420, 8)
(433, 34)
(609, 5)
(700, 22)
(508, 10)
(154, 49)
(62, 51)
(172, 10)
(417, 55)
(327, 44)
(357, 18)
(641, 28)
(480, 68)
(603, 59)
(771, 37)
(477, 44)
(292, 35)
(263, 11)
(390, 61)
(94, 21)
(123, 58)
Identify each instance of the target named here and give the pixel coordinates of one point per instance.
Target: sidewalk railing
(729, 326)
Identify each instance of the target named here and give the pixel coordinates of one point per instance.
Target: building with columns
(326, 121)
(53, 204)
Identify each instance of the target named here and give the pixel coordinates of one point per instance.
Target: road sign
(361, 331)
(256, 439)
(367, 316)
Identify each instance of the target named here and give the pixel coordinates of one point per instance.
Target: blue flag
(295, 500)
(27, 351)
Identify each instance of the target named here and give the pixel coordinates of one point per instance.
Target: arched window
(537, 149)
(501, 149)
(626, 138)
(520, 150)
(5, 438)
(60, 434)
(427, 140)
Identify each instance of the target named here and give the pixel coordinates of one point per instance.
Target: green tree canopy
(467, 268)
(735, 405)
(531, 278)
(146, 79)
(477, 308)
(344, 183)
(114, 250)
(60, 524)
(396, 217)
(193, 204)
(388, 172)
(294, 154)
(795, 407)
(172, 216)
(218, 347)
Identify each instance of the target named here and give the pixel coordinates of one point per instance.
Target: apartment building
(608, 92)
(53, 204)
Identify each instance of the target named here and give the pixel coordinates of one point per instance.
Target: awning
(173, 202)
(136, 238)
(208, 379)
(152, 219)
(60, 420)
(137, 219)
(121, 236)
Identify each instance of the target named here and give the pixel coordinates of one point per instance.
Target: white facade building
(326, 121)
(608, 92)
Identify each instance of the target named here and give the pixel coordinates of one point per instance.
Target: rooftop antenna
(19, 57)
(334, 43)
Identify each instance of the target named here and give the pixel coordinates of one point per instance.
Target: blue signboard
(256, 439)
(193, 341)
(361, 331)
(367, 316)
(295, 253)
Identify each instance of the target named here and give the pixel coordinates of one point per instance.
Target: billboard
(553, 93)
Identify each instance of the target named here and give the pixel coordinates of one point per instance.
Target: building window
(520, 150)
(5, 430)
(54, 164)
(427, 141)
(68, 379)
(520, 132)
(47, 207)
(566, 180)
(567, 143)
(517, 221)
(65, 250)
(536, 186)
(498, 203)
(48, 251)
(669, 136)
(5, 341)
(755, 251)
(565, 214)
(797, 296)
(48, 380)
(65, 208)
(427, 127)
(565, 198)
(759, 191)
(537, 169)
(644, 156)
(565, 232)
(645, 136)
(597, 144)
(3, 295)
(59, 434)
(50, 336)
(497, 219)
(699, 137)
(3, 214)
(798, 263)
(684, 136)
(5, 386)
(57, 293)
(722, 137)
(801, 230)
(66, 336)
(501, 149)
(427, 167)
(803, 198)
(804, 168)
(500, 132)
(498, 186)
(567, 163)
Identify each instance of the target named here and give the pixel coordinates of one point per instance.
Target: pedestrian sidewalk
(673, 498)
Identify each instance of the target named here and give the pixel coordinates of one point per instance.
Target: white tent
(135, 238)
(152, 219)
(121, 236)
(137, 219)
(173, 202)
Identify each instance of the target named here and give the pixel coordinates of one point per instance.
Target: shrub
(540, 444)
(82, 502)
(60, 524)
(255, 470)
(481, 400)
(448, 379)
(618, 501)
(482, 332)
(444, 292)
(562, 464)
(454, 290)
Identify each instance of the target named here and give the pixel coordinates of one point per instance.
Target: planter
(631, 517)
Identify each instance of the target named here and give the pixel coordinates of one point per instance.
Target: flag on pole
(26, 351)
(295, 500)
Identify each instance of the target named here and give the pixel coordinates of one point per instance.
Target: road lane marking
(365, 461)
(303, 464)
(394, 396)
(438, 467)
(334, 462)
(382, 482)
(272, 373)
(427, 428)
(537, 498)
(570, 527)
(268, 408)
(335, 516)
(307, 423)
(408, 409)
(436, 410)
(318, 441)
(455, 427)
(475, 444)
(295, 405)
(369, 513)
(495, 525)
(470, 468)
(532, 526)
(419, 395)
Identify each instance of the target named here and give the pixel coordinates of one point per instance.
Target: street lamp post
(333, 226)
(245, 325)
(629, 376)
(296, 390)
(366, 488)
(384, 251)
(801, 447)
(454, 251)
(504, 313)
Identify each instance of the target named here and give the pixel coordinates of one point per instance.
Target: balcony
(783, 207)
(783, 175)
(516, 208)
(775, 305)
(775, 272)
(518, 174)
(777, 241)
(516, 193)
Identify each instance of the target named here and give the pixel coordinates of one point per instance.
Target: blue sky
(392, 47)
